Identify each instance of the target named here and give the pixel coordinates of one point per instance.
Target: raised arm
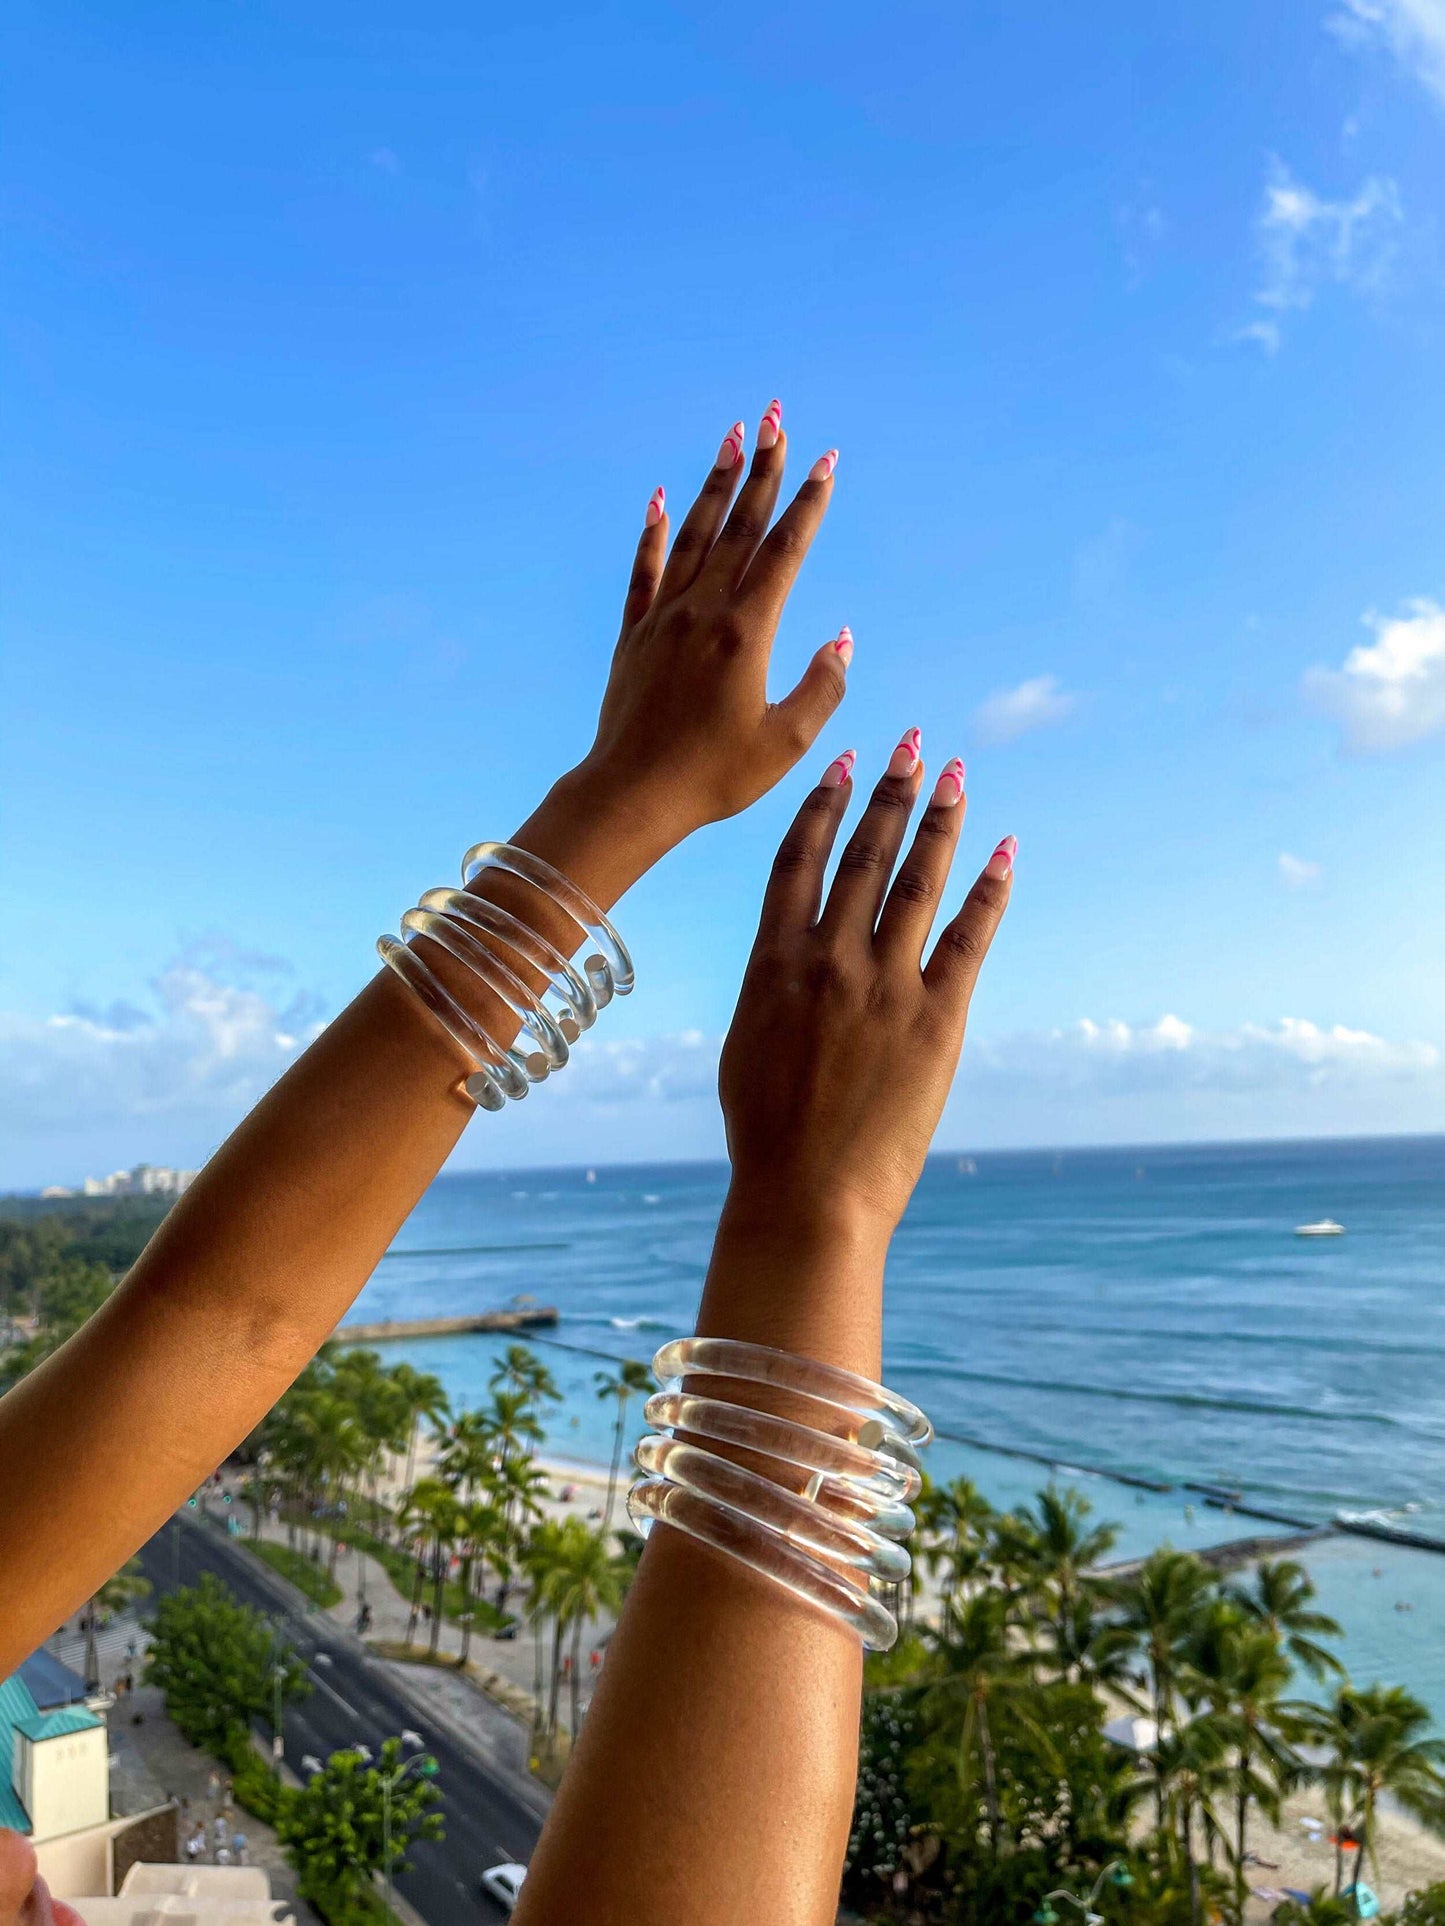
(253, 1268)
(713, 1781)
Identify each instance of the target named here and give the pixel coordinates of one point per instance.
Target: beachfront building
(55, 1784)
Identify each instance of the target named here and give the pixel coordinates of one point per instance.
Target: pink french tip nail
(1002, 859)
(841, 771)
(842, 645)
(823, 467)
(904, 759)
(731, 452)
(655, 503)
(948, 790)
(772, 425)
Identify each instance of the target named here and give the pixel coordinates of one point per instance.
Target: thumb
(798, 719)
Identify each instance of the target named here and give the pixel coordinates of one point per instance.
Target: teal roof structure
(19, 1713)
(55, 1725)
(15, 1704)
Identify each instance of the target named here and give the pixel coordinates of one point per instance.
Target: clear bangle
(610, 974)
(827, 1543)
(803, 1521)
(655, 1501)
(456, 921)
(761, 1364)
(859, 1467)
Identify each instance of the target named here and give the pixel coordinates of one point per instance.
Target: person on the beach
(719, 1687)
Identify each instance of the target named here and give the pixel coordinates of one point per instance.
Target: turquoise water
(1144, 1312)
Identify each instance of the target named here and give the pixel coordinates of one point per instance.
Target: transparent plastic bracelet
(655, 1501)
(859, 1465)
(872, 1471)
(456, 921)
(803, 1521)
(761, 1364)
(610, 974)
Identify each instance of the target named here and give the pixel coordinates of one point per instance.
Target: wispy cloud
(1295, 872)
(1412, 30)
(1389, 694)
(1307, 242)
(1036, 704)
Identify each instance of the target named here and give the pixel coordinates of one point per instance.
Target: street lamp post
(278, 1738)
(427, 1766)
(1116, 1872)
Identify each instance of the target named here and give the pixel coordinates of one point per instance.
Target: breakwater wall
(536, 1318)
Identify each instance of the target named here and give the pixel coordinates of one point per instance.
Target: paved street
(354, 1699)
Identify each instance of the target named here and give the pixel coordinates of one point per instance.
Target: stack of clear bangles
(834, 1529)
(552, 1019)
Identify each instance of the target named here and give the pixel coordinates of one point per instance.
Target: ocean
(1123, 1314)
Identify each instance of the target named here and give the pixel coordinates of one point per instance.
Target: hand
(844, 1043)
(24, 1896)
(686, 733)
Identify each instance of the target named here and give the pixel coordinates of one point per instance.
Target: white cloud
(1010, 713)
(1306, 242)
(1296, 873)
(1390, 693)
(1412, 30)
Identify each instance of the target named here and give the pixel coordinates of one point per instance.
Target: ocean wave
(632, 1323)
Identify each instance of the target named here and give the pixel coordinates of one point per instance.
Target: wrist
(601, 831)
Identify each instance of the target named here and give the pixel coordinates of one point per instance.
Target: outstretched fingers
(867, 863)
(648, 563)
(695, 538)
(774, 568)
(795, 886)
(753, 510)
(958, 954)
(913, 900)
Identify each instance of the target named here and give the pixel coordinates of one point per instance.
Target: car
(504, 1882)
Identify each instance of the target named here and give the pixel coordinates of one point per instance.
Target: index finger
(774, 568)
(795, 886)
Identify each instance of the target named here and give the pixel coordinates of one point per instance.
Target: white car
(504, 1883)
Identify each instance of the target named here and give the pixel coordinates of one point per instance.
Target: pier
(538, 1317)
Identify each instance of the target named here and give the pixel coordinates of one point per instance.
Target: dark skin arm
(256, 1264)
(713, 1781)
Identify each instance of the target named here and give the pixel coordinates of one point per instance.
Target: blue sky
(344, 350)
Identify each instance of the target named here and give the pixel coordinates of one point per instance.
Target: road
(353, 1699)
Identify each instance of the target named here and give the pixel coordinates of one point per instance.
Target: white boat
(1326, 1227)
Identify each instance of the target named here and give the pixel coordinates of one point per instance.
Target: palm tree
(1160, 1609)
(1280, 1599)
(985, 1684)
(630, 1378)
(1377, 1747)
(519, 1369)
(953, 1521)
(424, 1397)
(1241, 1671)
(1191, 1761)
(468, 1452)
(480, 1533)
(518, 1487)
(1063, 1549)
(586, 1583)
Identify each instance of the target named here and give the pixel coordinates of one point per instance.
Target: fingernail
(842, 646)
(841, 771)
(823, 467)
(655, 503)
(731, 452)
(948, 790)
(904, 759)
(772, 425)
(1002, 859)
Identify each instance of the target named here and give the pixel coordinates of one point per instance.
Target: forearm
(714, 1778)
(255, 1265)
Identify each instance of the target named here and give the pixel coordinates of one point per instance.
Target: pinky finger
(647, 565)
(958, 954)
